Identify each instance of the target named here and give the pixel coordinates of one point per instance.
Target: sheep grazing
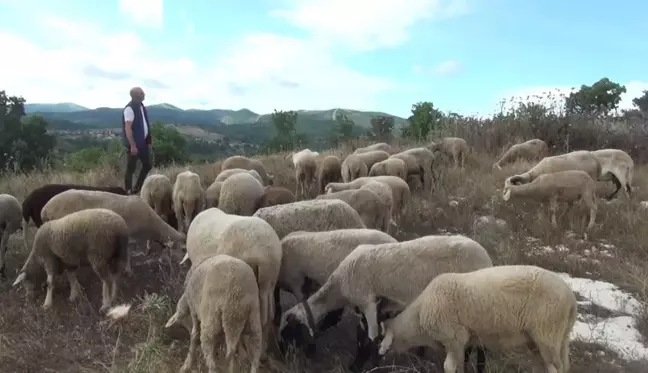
(502, 307)
(454, 147)
(273, 196)
(157, 192)
(221, 296)
(401, 193)
(532, 150)
(353, 167)
(240, 194)
(232, 171)
(377, 146)
(188, 198)
(239, 161)
(390, 167)
(312, 215)
(330, 170)
(98, 234)
(142, 221)
(577, 160)
(616, 165)
(425, 159)
(414, 169)
(563, 186)
(37, 198)
(373, 210)
(383, 191)
(212, 194)
(389, 273)
(305, 163)
(250, 239)
(10, 217)
(372, 157)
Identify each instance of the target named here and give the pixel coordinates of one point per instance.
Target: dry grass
(74, 338)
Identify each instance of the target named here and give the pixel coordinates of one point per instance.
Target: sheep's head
(31, 280)
(295, 330)
(434, 147)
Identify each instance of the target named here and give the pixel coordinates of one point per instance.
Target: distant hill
(64, 107)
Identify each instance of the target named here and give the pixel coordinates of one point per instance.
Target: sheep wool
(330, 170)
(373, 210)
(353, 167)
(305, 163)
(188, 198)
(617, 166)
(532, 150)
(239, 161)
(240, 194)
(10, 219)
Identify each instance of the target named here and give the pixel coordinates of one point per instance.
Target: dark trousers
(144, 155)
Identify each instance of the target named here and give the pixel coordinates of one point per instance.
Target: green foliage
(287, 137)
(169, 146)
(599, 98)
(641, 103)
(108, 154)
(382, 127)
(24, 141)
(342, 130)
(424, 119)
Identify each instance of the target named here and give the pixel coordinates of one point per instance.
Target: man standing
(136, 137)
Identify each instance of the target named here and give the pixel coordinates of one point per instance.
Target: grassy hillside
(64, 107)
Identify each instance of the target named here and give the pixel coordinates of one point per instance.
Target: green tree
(424, 119)
(382, 127)
(169, 146)
(599, 98)
(24, 141)
(287, 138)
(342, 129)
(641, 102)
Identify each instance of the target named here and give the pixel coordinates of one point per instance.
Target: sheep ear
(507, 194)
(20, 278)
(184, 259)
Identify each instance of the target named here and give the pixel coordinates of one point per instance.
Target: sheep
(563, 186)
(312, 215)
(142, 221)
(273, 195)
(383, 191)
(157, 192)
(353, 167)
(250, 239)
(221, 296)
(577, 160)
(373, 210)
(455, 147)
(502, 307)
(232, 171)
(188, 198)
(10, 217)
(98, 234)
(400, 191)
(371, 157)
(392, 273)
(305, 164)
(212, 194)
(532, 150)
(37, 198)
(425, 159)
(239, 161)
(390, 166)
(414, 169)
(377, 146)
(616, 165)
(240, 194)
(330, 170)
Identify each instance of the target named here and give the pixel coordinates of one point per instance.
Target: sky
(463, 55)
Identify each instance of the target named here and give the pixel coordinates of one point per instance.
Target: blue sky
(463, 55)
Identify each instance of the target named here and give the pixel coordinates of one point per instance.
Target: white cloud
(445, 68)
(364, 25)
(260, 72)
(147, 13)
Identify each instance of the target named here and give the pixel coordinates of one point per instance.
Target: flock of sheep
(246, 239)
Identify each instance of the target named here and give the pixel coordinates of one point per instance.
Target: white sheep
(502, 307)
(618, 166)
(390, 273)
(373, 210)
(353, 167)
(250, 239)
(221, 298)
(425, 159)
(188, 198)
(330, 170)
(400, 191)
(312, 215)
(142, 221)
(10, 222)
(454, 147)
(100, 235)
(305, 164)
(577, 160)
(233, 171)
(372, 157)
(390, 166)
(240, 194)
(563, 186)
(384, 191)
(157, 192)
(212, 194)
(532, 150)
(239, 161)
(377, 146)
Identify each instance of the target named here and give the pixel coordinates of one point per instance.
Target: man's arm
(129, 117)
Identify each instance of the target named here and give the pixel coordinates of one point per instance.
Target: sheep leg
(553, 207)
(194, 339)
(617, 184)
(50, 291)
(253, 342)
(3, 252)
(550, 354)
(208, 333)
(453, 362)
(233, 325)
(75, 286)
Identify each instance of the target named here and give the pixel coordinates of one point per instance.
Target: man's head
(137, 94)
